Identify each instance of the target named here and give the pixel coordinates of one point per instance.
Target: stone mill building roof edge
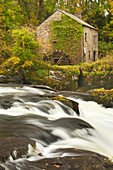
(75, 18)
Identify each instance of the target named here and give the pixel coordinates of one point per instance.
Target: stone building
(87, 50)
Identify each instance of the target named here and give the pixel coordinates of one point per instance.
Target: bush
(25, 47)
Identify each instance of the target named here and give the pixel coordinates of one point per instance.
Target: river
(24, 111)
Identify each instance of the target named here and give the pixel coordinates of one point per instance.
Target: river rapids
(52, 124)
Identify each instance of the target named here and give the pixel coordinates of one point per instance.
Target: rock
(44, 87)
(2, 168)
(101, 96)
(75, 77)
(71, 123)
(9, 144)
(84, 160)
(80, 159)
(68, 102)
(56, 75)
(6, 101)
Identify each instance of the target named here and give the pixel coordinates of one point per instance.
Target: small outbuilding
(66, 39)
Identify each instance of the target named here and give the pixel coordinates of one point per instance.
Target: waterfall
(52, 124)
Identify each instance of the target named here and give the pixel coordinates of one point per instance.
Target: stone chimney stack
(78, 15)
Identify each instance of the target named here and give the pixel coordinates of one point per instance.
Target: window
(89, 54)
(85, 37)
(94, 55)
(94, 39)
(54, 41)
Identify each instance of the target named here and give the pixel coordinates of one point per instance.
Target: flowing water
(52, 124)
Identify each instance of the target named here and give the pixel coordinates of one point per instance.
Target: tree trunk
(40, 10)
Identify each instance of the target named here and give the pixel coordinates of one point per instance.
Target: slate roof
(77, 19)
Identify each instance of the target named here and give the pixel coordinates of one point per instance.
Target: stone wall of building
(87, 50)
(43, 33)
(90, 44)
(79, 56)
(80, 52)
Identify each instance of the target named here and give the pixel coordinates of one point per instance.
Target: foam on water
(99, 139)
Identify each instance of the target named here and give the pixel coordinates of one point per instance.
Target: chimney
(78, 15)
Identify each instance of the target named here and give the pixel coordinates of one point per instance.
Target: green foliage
(24, 52)
(105, 48)
(25, 47)
(99, 74)
(11, 14)
(16, 13)
(18, 48)
(10, 18)
(99, 14)
(42, 73)
(36, 11)
(68, 69)
(67, 34)
(102, 96)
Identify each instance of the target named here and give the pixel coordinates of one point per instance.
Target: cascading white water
(59, 120)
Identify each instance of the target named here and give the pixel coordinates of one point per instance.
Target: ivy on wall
(66, 35)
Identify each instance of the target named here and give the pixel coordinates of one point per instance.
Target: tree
(36, 11)
(106, 33)
(25, 46)
(11, 15)
(24, 53)
(10, 18)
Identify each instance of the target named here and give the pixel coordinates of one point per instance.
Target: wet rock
(68, 102)
(84, 160)
(44, 87)
(10, 143)
(101, 96)
(2, 168)
(71, 123)
(6, 102)
(9, 79)
(72, 93)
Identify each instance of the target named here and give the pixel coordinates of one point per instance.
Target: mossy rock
(102, 96)
(68, 102)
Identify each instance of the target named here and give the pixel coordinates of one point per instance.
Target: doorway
(94, 55)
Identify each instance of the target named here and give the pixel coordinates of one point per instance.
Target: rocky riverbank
(16, 137)
(84, 160)
(86, 76)
(17, 147)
